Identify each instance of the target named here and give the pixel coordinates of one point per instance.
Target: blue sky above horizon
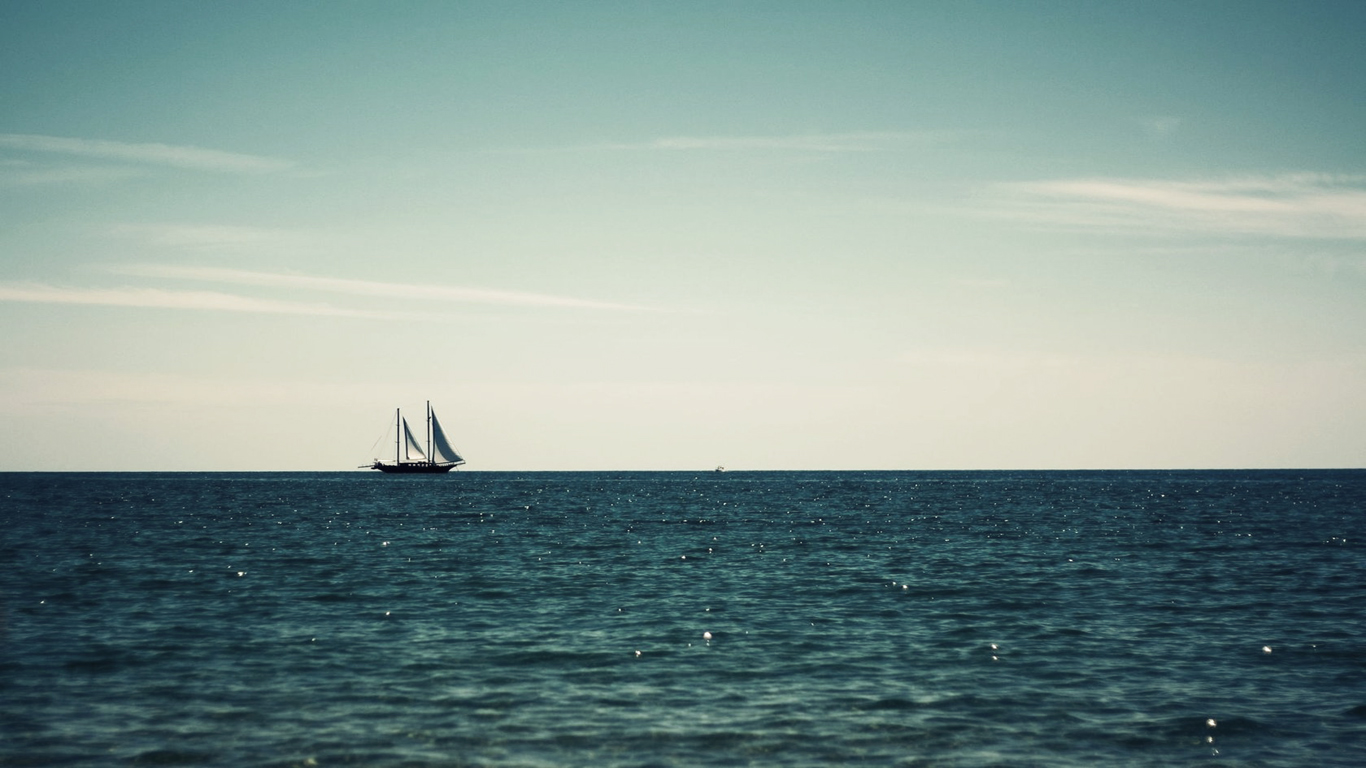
(670, 236)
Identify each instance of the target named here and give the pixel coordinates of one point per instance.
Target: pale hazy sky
(618, 235)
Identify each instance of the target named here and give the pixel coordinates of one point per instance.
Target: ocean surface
(684, 619)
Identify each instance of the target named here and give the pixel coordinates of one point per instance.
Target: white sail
(441, 447)
(413, 449)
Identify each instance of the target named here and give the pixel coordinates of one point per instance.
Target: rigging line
(379, 439)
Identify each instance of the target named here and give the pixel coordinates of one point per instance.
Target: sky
(638, 236)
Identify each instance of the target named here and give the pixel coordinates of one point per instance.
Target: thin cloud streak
(192, 158)
(153, 298)
(23, 173)
(1290, 205)
(859, 141)
(855, 141)
(1161, 127)
(211, 236)
(26, 387)
(367, 287)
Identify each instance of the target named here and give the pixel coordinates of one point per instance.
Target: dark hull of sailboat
(413, 468)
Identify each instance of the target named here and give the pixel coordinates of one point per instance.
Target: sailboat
(409, 454)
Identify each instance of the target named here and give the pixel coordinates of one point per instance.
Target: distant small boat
(720, 469)
(409, 456)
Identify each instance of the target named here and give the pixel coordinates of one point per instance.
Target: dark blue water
(506, 619)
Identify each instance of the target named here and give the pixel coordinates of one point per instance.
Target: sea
(1106, 618)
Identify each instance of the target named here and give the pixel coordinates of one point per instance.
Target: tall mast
(430, 456)
(398, 435)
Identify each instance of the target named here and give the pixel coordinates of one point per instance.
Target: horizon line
(457, 470)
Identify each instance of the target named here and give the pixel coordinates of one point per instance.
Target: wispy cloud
(853, 141)
(23, 388)
(26, 172)
(1290, 205)
(40, 293)
(1162, 126)
(193, 158)
(445, 293)
(158, 298)
(213, 236)
(859, 141)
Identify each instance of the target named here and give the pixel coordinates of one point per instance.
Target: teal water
(657, 619)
